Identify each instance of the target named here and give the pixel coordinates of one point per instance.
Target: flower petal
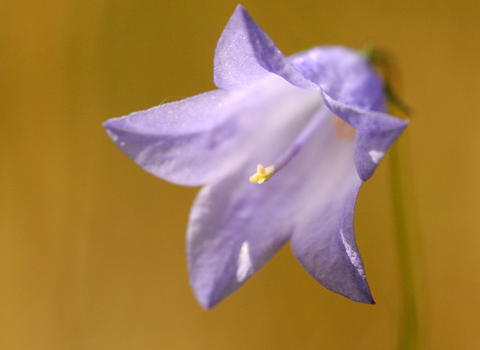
(343, 74)
(376, 132)
(232, 232)
(245, 53)
(324, 243)
(185, 142)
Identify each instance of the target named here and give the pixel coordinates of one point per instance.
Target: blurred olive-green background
(92, 248)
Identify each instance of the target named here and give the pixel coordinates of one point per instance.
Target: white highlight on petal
(376, 155)
(112, 135)
(244, 263)
(353, 256)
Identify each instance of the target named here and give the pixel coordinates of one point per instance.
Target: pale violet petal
(324, 243)
(232, 233)
(376, 132)
(245, 54)
(343, 74)
(186, 142)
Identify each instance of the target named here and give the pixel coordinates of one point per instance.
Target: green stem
(407, 243)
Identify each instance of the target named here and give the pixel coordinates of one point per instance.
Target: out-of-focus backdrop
(92, 248)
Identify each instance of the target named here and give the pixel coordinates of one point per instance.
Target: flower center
(342, 131)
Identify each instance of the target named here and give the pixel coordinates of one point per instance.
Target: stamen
(264, 174)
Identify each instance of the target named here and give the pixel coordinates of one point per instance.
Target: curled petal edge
(376, 133)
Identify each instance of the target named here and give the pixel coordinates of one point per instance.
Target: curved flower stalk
(316, 118)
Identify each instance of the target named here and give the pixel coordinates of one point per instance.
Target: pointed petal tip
(114, 128)
(366, 298)
(206, 299)
(402, 124)
(239, 11)
(359, 293)
(112, 125)
(240, 8)
(205, 304)
(107, 124)
(110, 128)
(366, 169)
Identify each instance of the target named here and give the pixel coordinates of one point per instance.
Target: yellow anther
(262, 175)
